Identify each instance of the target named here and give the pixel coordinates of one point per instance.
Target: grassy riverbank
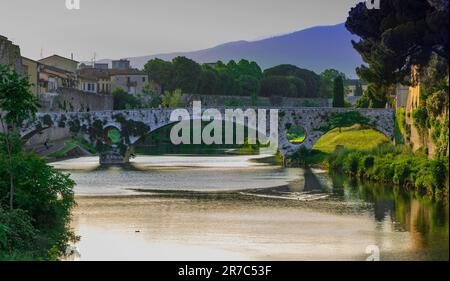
(394, 165)
(355, 137)
(367, 155)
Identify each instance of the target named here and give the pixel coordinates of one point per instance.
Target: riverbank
(397, 166)
(366, 155)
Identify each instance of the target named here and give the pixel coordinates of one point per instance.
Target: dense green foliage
(420, 117)
(172, 99)
(400, 34)
(123, 100)
(395, 165)
(345, 119)
(296, 82)
(327, 79)
(38, 227)
(370, 100)
(147, 99)
(231, 79)
(16, 100)
(278, 86)
(400, 126)
(35, 199)
(241, 78)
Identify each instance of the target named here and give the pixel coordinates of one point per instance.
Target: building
(31, 69)
(52, 78)
(60, 62)
(121, 64)
(106, 80)
(352, 86)
(101, 65)
(87, 83)
(83, 66)
(99, 77)
(401, 96)
(130, 80)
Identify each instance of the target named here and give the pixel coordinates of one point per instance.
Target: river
(234, 208)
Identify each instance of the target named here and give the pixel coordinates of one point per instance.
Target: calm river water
(232, 208)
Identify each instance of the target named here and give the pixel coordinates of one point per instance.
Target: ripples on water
(175, 173)
(230, 208)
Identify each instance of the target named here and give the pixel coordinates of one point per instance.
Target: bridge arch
(134, 124)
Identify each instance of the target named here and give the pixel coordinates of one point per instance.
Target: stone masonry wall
(10, 54)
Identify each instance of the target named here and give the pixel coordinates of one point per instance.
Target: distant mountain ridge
(317, 48)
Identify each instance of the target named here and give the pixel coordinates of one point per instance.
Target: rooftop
(58, 56)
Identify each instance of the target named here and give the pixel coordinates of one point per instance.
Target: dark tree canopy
(186, 74)
(161, 72)
(310, 79)
(277, 86)
(231, 79)
(400, 34)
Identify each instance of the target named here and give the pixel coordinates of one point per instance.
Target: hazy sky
(127, 28)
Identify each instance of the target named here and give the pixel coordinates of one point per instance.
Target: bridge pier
(113, 157)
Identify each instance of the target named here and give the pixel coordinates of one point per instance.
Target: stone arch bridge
(135, 124)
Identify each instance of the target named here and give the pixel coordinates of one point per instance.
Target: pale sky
(126, 28)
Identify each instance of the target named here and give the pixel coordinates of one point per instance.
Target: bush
(43, 200)
(420, 116)
(395, 165)
(16, 232)
(351, 162)
(123, 100)
(172, 99)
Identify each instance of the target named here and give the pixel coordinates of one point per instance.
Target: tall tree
(338, 92)
(310, 78)
(161, 72)
(17, 104)
(327, 82)
(208, 82)
(400, 34)
(186, 74)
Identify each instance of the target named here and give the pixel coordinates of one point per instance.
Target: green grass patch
(355, 137)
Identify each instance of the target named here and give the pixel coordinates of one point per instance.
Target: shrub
(420, 117)
(43, 201)
(395, 165)
(16, 231)
(351, 163)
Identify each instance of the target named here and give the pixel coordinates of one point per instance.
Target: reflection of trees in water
(425, 220)
(311, 181)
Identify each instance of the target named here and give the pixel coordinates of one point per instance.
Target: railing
(243, 108)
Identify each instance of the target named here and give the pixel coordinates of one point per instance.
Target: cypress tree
(338, 92)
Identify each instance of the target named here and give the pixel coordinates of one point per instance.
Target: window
(143, 79)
